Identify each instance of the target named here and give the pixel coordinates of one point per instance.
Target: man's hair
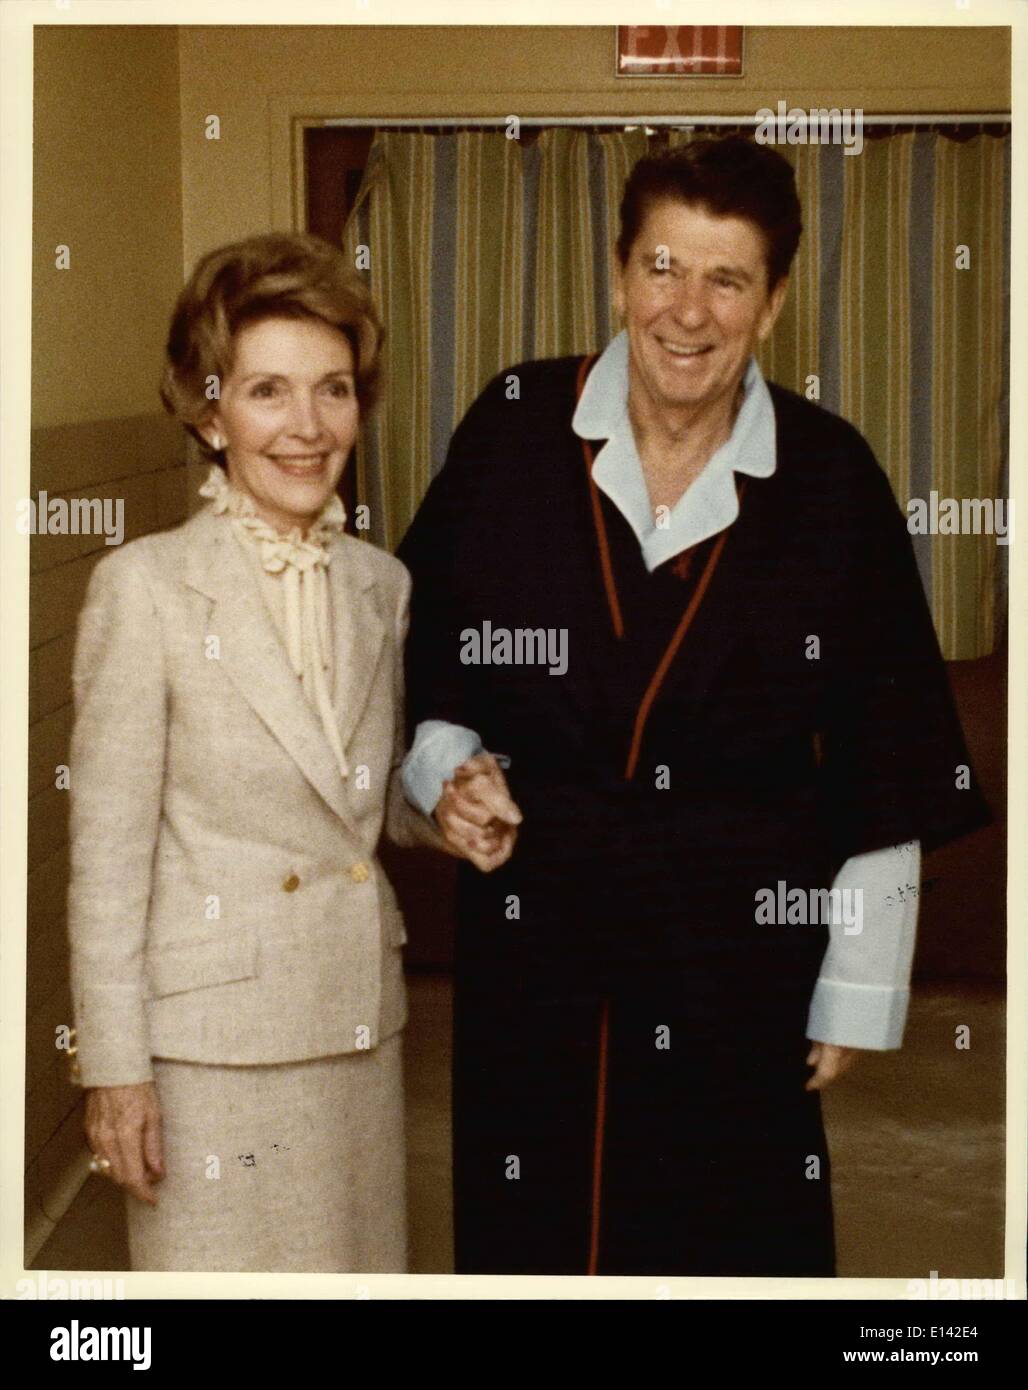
(728, 177)
(276, 275)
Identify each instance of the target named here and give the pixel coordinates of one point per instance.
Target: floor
(916, 1140)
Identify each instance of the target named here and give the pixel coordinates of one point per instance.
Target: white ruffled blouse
(292, 572)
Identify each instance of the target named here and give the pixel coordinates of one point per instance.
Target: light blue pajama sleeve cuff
(863, 992)
(438, 749)
(869, 1016)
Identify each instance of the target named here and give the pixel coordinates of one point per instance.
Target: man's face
(696, 311)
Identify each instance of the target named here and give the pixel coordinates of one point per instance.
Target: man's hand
(476, 815)
(123, 1125)
(830, 1062)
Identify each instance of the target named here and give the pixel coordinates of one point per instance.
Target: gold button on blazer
(199, 770)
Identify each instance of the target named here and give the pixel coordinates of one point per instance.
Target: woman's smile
(304, 466)
(289, 413)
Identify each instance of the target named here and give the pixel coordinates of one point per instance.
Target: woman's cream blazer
(226, 902)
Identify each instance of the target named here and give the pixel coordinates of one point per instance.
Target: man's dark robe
(629, 1046)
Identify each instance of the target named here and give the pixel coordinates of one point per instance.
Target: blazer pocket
(211, 960)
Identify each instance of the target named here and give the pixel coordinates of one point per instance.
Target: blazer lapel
(359, 632)
(254, 659)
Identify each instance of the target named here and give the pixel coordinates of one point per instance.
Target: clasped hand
(476, 814)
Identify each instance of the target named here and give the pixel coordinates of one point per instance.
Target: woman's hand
(830, 1062)
(123, 1125)
(478, 819)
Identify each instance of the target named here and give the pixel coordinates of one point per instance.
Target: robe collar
(710, 503)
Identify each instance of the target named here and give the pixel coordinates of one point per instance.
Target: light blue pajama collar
(710, 503)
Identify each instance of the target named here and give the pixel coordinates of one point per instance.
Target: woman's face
(287, 417)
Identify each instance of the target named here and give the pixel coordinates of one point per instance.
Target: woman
(236, 958)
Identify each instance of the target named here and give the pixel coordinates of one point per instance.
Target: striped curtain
(483, 251)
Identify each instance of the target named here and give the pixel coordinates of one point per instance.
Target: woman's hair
(728, 177)
(279, 275)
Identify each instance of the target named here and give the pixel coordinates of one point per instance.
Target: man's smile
(684, 352)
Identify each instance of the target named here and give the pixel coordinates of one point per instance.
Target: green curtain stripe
(875, 308)
(968, 379)
(508, 252)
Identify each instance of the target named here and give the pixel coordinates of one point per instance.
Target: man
(753, 710)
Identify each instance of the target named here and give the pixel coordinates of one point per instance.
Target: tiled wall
(139, 461)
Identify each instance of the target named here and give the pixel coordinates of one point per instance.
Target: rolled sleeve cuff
(848, 1015)
(439, 748)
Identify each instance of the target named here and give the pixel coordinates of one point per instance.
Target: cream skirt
(298, 1167)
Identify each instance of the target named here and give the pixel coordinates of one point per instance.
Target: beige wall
(255, 78)
(106, 184)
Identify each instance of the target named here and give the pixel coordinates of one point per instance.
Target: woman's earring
(217, 443)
